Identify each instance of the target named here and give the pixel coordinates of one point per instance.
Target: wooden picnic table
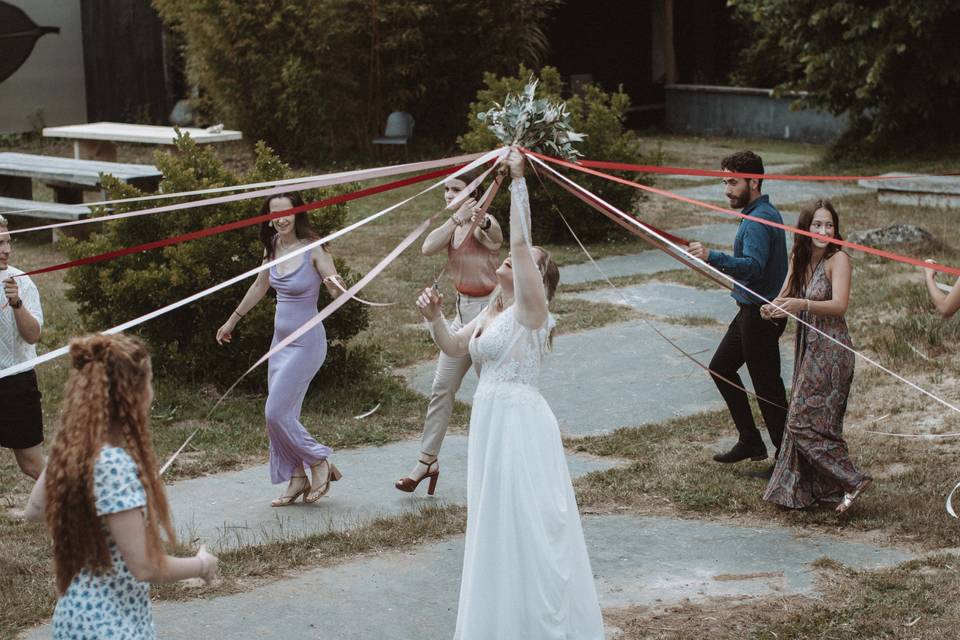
(97, 140)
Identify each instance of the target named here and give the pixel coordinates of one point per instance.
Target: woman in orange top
(473, 252)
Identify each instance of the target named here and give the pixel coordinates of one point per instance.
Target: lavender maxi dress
(291, 370)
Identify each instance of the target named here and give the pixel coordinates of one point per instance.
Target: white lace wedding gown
(526, 574)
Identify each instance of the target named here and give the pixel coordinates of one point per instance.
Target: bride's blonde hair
(551, 280)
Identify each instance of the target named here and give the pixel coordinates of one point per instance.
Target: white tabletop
(147, 133)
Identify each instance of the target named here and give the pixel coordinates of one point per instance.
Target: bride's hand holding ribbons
(430, 303)
(515, 162)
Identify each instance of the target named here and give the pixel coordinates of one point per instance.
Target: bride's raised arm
(530, 296)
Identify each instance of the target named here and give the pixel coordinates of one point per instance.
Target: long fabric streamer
(340, 300)
(357, 175)
(51, 355)
(350, 293)
(713, 173)
(706, 205)
(321, 181)
(616, 289)
(950, 501)
(238, 224)
(733, 281)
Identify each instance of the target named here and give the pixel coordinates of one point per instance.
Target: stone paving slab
(414, 594)
(232, 509)
(645, 262)
(622, 375)
(667, 300)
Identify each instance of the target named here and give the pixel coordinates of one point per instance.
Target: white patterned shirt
(13, 348)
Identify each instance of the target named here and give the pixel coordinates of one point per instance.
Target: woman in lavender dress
(297, 282)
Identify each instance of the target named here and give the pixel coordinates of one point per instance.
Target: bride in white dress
(526, 574)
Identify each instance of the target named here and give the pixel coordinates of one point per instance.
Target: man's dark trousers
(752, 340)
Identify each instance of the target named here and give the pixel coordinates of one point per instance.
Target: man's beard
(741, 201)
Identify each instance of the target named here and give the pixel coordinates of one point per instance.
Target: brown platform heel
(409, 485)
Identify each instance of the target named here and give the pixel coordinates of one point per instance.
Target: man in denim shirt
(759, 262)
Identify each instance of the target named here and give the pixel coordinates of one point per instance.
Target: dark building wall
(609, 40)
(126, 79)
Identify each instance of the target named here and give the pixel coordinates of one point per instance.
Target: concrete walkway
(230, 510)
(668, 300)
(622, 375)
(411, 594)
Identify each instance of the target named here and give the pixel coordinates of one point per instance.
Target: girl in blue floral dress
(103, 499)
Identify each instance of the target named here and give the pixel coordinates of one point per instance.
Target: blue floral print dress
(111, 604)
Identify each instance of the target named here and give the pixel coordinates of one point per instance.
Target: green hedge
(317, 78)
(182, 341)
(594, 112)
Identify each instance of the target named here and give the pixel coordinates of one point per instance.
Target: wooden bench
(97, 140)
(43, 210)
(68, 178)
(48, 211)
(918, 190)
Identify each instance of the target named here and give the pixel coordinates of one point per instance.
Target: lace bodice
(509, 352)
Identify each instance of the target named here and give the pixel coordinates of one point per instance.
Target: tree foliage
(318, 77)
(182, 341)
(892, 65)
(593, 112)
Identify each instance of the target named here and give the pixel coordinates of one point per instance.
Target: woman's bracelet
(203, 567)
(808, 305)
(237, 313)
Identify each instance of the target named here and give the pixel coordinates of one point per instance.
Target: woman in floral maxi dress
(814, 463)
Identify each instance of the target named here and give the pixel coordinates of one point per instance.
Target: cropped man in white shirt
(21, 319)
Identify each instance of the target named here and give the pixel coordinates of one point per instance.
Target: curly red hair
(104, 401)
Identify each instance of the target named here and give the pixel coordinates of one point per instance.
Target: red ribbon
(239, 224)
(669, 194)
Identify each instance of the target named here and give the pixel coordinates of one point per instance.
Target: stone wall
(746, 112)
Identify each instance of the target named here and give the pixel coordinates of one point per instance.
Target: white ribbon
(720, 274)
(277, 187)
(56, 353)
(950, 501)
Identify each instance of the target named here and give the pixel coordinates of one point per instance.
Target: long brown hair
(301, 223)
(104, 397)
(803, 245)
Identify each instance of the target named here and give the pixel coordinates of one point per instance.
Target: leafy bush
(892, 65)
(594, 112)
(318, 77)
(182, 340)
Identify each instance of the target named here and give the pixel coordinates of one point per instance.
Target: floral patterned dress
(112, 604)
(814, 462)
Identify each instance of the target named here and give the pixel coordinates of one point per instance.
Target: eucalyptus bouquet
(536, 124)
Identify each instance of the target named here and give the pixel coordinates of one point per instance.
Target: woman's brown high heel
(287, 500)
(333, 474)
(410, 485)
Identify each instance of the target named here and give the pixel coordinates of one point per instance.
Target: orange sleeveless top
(473, 267)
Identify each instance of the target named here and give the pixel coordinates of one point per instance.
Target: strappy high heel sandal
(333, 474)
(410, 485)
(288, 499)
(848, 498)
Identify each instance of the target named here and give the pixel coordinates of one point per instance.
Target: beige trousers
(447, 379)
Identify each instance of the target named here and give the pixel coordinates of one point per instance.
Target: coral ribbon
(669, 194)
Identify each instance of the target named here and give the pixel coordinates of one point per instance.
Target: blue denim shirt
(759, 259)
